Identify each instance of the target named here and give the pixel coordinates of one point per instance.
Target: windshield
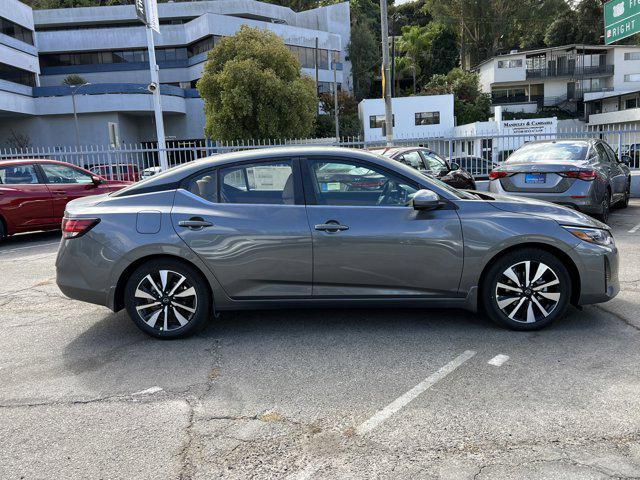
(550, 151)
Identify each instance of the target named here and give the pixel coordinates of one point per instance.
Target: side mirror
(454, 166)
(626, 159)
(96, 180)
(425, 200)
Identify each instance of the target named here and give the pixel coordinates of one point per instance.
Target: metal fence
(477, 152)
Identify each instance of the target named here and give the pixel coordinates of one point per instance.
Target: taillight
(76, 227)
(497, 174)
(580, 174)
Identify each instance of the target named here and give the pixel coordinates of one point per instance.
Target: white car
(149, 172)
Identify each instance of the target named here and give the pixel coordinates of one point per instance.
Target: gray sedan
(582, 174)
(326, 227)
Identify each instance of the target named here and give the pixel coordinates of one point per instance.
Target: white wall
(404, 110)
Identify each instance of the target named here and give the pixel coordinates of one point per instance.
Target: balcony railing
(569, 71)
(501, 99)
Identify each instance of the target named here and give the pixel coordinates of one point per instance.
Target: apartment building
(560, 77)
(107, 47)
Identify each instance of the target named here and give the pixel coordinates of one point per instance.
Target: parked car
(582, 174)
(430, 162)
(128, 172)
(150, 172)
(34, 193)
(234, 232)
(478, 167)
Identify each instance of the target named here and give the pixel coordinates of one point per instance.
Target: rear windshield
(556, 151)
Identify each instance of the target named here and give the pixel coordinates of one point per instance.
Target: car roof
(22, 161)
(172, 177)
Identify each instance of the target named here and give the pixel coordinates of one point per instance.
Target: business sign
(532, 126)
(621, 19)
(147, 12)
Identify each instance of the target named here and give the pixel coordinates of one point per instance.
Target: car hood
(539, 208)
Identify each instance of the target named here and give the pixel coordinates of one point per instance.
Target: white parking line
(30, 246)
(498, 360)
(409, 396)
(635, 229)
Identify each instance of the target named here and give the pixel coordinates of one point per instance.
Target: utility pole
(335, 95)
(74, 90)
(388, 111)
(157, 103)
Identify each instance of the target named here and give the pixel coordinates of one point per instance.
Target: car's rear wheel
(3, 232)
(167, 298)
(526, 289)
(624, 203)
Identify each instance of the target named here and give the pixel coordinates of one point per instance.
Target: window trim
(309, 190)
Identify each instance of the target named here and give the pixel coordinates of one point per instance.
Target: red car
(118, 171)
(34, 193)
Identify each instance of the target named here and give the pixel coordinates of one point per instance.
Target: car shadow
(28, 239)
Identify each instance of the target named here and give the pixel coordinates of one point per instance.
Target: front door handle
(331, 227)
(195, 223)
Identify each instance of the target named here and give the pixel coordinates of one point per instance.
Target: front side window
(349, 183)
(427, 118)
(258, 183)
(18, 175)
(63, 174)
(435, 163)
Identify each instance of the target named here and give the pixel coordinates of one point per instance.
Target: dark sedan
(431, 163)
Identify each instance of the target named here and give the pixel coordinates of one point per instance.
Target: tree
(18, 140)
(364, 53)
(347, 116)
(73, 80)
(252, 88)
(562, 31)
(414, 44)
(470, 104)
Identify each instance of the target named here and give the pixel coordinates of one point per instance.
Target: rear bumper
(83, 269)
(581, 196)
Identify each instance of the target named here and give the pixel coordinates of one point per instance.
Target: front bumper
(598, 272)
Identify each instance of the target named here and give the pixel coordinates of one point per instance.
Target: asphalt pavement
(315, 394)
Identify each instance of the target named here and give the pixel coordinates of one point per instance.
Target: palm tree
(414, 43)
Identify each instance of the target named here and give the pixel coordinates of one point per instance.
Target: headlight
(592, 235)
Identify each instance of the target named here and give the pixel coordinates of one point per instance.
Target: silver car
(326, 227)
(582, 174)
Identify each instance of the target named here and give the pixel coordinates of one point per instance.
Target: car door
(619, 176)
(67, 183)
(368, 242)
(248, 222)
(25, 201)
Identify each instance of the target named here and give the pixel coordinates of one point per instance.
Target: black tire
(3, 232)
(606, 207)
(529, 300)
(177, 301)
(624, 203)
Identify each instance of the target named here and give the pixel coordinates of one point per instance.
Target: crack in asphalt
(618, 316)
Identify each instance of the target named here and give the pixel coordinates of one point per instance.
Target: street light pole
(388, 111)
(74, 90)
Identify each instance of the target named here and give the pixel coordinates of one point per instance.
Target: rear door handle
(331, 227)
(195, 223)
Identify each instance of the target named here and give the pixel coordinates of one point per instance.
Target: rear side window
(258, 183)
(18, 175)
(204, 185)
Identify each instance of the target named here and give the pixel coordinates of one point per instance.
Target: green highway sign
(621, 19)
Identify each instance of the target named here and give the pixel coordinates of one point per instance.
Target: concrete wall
(404, 110)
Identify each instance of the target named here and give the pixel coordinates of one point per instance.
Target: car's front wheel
(167, 298)
(526, 289)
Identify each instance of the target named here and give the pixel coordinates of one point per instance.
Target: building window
(16, 31)
(630, 103)
(632, 56)
(510, 63)
(17, 75)
(427, 118)
(376, 121)
(632, 77)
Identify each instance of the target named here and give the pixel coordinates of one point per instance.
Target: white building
(107, 47)
(525, 81)
(413, 117)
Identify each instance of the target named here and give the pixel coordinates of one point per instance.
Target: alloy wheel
(528, 291)
(165, 300)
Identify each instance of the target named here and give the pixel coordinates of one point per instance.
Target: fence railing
(477, 152)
